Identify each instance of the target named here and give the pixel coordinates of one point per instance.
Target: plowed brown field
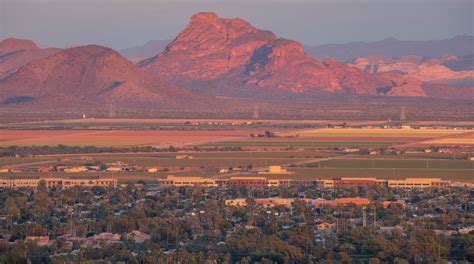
(115, 138)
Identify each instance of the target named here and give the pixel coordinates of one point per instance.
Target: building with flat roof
(4, 183)
(247, 181)
(275, 170)
(279, 182)
(365, 182)
(265, 202)
(419, 183)
(261, 181)
(342, 202)
(75, 169)
(357, 182)
(88, 182)
(56, 183)
(184, 181)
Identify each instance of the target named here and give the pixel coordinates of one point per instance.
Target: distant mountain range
(214, 59)
(462, 45)
(232, 54)
(147, 50)
(459, 46)
(449, 69)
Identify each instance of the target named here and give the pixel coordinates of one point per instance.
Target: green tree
(12, 209)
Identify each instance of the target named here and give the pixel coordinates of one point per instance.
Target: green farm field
(295, 144)
(200, 159)
(398, 163)
(465, 175)
(378, 133)
(120, 176)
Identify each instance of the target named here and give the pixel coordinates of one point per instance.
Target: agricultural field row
(385, 163)
(315, 143)
(384, 173)
(114, 138)
(160, 163)
(378, 132)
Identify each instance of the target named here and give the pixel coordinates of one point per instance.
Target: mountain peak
(93, 50)
(208, 23)
(283, 46)
(208, 48)
(204, 16)
(230, 51)
(11, 45)
(89, 74)
(389, 39)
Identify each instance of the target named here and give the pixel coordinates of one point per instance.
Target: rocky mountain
(149, 49)
(213, 51)
(90, 75)
(460, 46)
(15, 53)
(454, 70)
(208, 48)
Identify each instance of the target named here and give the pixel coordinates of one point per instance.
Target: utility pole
(402, 113)
(375, 216)
(255, 114)
(364, 217)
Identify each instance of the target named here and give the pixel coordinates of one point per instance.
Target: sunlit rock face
(212, 48)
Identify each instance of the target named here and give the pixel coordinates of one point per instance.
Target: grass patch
(409, 164)
(378, 133)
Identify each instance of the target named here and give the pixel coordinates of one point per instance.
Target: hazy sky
(121, 23)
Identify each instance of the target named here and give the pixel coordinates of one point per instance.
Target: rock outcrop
(236, 54)
(15, 53)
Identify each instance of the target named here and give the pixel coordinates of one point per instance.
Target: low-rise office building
(260, 181)
(419, 183)
(402, 183)
(185, 181)
(342, 202)
(357, 182)
(350, 182)
(247, 181)
(57, 183)
(88, 182)
(277, 201)
(279, 182)
(265, 202)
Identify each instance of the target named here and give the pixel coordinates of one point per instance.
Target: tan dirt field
(115, 138)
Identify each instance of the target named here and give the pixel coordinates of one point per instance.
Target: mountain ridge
(87, 75)
(459, 45)
(211, 49)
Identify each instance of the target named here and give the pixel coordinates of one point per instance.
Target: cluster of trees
(193, 225)
(23, 151)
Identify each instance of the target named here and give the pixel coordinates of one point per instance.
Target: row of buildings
(108, 238)
(259, 181)
(398, 183)
(287, 202)
(234, 181)
(56, 183)
(319, 202)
